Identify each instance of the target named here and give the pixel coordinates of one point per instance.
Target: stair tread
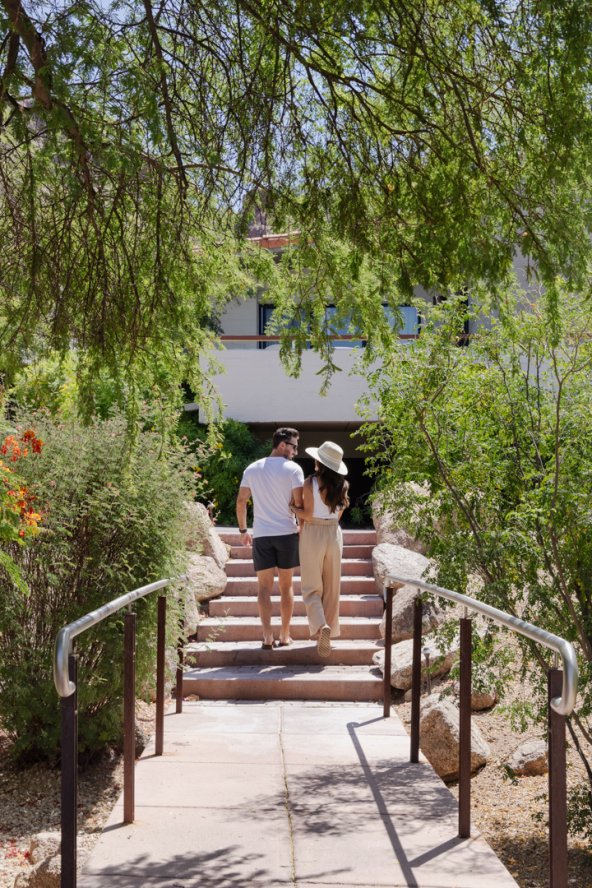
(264, 672)
(296, 621)
(337, 643)
(231, 599)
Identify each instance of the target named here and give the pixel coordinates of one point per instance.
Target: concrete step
(364, 551)
(352, 652)
(243, 567)
(349, 586)
(350, 537)
(249, 629)
(241, 606)
(331, 683)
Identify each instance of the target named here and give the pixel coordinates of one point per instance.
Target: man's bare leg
(286, 602)
(265, 587)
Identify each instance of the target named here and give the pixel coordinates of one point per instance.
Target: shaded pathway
(288, 794)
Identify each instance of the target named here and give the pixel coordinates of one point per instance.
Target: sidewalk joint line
(287, 798)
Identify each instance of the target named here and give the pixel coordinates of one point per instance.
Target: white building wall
(255, 388)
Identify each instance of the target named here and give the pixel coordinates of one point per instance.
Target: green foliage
(500, 434)
(111, 522)
(405, 145)
(222, 462)
(579, 813)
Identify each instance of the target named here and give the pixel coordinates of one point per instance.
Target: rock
(529, 759)
(388, 529)
(441, 661)
(204, 577)
(46, 874)
(197, 527)
(403, 614)
(216, 548)
(190, 609)
(201, 535)
(483, 699)
(44, 845)
(390, 559)
(439, 738)
(142, 738)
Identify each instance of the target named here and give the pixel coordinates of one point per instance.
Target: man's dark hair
(284, 434)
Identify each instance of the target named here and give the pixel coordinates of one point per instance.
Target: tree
(499, 437)
(420, 141)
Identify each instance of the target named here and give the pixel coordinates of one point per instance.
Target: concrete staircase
(227, 662)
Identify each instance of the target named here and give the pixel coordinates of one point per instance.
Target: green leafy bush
(221, 467)
(500, 434)
(111, 521)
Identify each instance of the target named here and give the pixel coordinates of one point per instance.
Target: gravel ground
(504, 812)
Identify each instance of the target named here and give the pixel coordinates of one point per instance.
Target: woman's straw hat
(330, 455)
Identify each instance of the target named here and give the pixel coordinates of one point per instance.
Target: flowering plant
(18, 517)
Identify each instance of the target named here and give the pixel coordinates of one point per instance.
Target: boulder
(403, 614)
(390, 559)
(529, 759)
(483, 699)
(441, 660)
(197, 527)
(190, 608)
(44, 845)
(439, 738)
(204, 577)
(215, 548)
(46, 874)
(388, 528)
(141, 740)
(480, 700)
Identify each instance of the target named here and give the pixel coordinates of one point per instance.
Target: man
(273, 483)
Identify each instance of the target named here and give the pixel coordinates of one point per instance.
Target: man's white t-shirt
(271, 481)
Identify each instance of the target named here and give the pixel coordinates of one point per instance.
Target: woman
(321, 543)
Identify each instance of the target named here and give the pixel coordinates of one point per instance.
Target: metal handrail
(63, 643)
(564, 704)
(64, 675)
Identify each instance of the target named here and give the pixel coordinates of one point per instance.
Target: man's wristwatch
(243, 530)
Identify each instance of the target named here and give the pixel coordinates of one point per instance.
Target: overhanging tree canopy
(419, 142)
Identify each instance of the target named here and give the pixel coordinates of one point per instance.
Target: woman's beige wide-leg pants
(321, 546)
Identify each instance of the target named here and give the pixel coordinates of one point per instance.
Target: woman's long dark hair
(334, 487)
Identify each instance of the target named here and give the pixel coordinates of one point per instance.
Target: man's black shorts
(276, 551)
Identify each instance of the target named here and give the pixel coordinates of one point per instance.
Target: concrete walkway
(288, 794)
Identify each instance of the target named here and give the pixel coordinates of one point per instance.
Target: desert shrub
(222, 466)
(110, 522)
(500, 435)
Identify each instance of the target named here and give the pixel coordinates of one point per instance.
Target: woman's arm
(304, 512)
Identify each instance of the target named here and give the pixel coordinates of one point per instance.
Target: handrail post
(69, 783)
(464, 749)
(388, 642)
(557, 787)
(129, 716)
(160, 652)
(416, 679)
(179, 674)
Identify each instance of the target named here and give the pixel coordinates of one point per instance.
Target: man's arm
(244, 495)
(302, 501)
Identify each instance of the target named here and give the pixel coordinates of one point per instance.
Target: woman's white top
(321, 509)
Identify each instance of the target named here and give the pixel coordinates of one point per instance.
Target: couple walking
(296, 522)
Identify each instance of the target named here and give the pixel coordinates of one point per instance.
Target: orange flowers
(15, 448)
(18, 516)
